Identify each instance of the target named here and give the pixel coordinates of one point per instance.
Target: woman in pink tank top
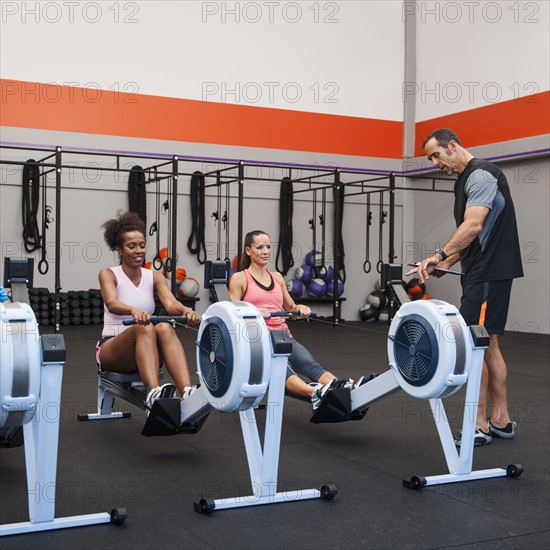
(128, 291)
(267, 291)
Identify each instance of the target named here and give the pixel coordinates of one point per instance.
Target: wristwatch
(442, 253)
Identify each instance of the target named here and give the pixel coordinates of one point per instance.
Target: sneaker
(320, 391)
(363, 380)
(160, 392)
(480, 438)
(187, 391)
(507, 432)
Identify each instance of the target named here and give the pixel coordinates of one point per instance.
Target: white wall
(324, 57)
(472, 54)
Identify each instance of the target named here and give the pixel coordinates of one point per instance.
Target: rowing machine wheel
(328, 492)
(514, 470)
(118, 516)
(204, 506)
(416, 482)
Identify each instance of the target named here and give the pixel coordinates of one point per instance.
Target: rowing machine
(432, 354)
(239, 360)
(30, 383)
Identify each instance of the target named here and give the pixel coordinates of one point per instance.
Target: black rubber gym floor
(108, 464)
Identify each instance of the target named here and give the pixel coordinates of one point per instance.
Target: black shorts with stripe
(486, 303)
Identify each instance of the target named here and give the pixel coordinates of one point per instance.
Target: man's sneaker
(480, 438)
(187, 391)
(507, 432)
(320, 391)
(160, 392)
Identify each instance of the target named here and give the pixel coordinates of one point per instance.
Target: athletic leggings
(302, 362)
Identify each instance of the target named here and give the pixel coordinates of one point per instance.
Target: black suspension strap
(225, 220)
(216, 214)
(382, 220)
(155, 226)
(322, 222)
(286, 209)
(43, 264)
(313, 224)
(339, 259)
(166, 209)
(137, 197)
(31, 199)
(367, 266)
(196, 243)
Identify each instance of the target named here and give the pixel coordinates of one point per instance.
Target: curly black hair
(123, 223)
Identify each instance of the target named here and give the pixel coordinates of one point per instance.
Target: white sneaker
(187, 391)
(320, 391)
(160, 392)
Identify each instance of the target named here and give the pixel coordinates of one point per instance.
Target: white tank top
(141, 297)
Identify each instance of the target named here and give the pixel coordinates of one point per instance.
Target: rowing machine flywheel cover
(233, 356)
(429, 348)
(20, 358)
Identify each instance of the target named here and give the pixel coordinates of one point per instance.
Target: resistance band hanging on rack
(367, 266)
(137, 198)
(43, 265)
(381, 222)
(216, 214)
(339, 259)
(155, 226)
(313, 226)
(286, 209)
(31, 199)
(196, 243)
(321, 270)
(166, 209)
(32, 188)
(225, 220)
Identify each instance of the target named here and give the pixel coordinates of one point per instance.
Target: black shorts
(487, 304)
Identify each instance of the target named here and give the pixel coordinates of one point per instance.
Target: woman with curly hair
(128, 291)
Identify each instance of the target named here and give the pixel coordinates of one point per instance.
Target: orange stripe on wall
(91, 111)
(515, 119)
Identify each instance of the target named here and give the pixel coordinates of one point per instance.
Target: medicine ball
(329, 274)
(415, 290)
(295, 288)
(189, 287)
(304, 273)
(317, 288)
(377, 299)
(368, 313)
(330, 288)
(163, 255)
(313, 258)
(181, 274)
(231, 272)
(384, 314)
(320, 272)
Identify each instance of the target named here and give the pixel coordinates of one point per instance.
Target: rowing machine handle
(155, 319)
(295, 312)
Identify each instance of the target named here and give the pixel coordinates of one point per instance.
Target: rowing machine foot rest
(335, 407)
(165, 419)
(358, 415)
(11, 437)
(193, 427)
